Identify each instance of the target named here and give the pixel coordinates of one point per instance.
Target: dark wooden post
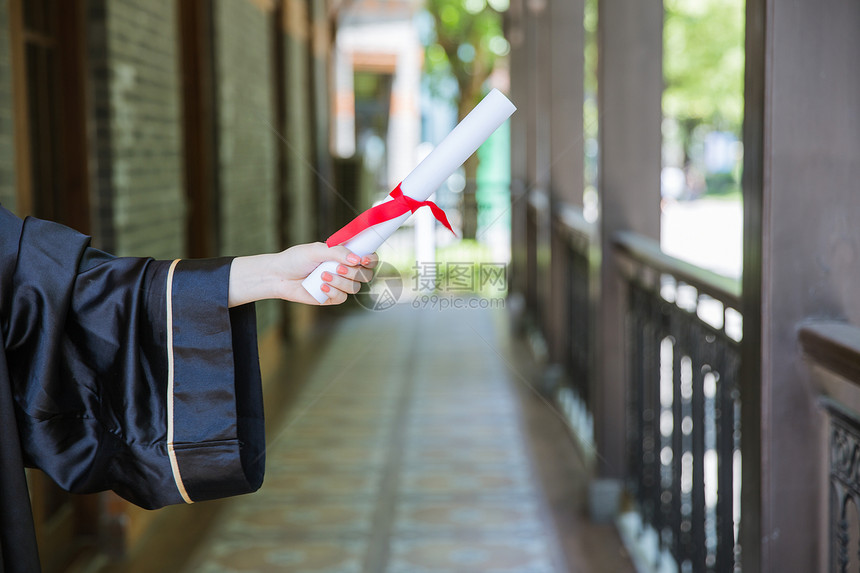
(750, 369)
(538, 158)
(197, 67)
(516, 34)
(630, 84)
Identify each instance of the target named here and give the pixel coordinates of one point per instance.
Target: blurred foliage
(721, 183)
(466, 42)
(704, 63)
(589, 23)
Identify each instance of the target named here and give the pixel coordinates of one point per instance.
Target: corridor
(417, 444)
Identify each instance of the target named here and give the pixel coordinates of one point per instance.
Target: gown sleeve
(130, 374)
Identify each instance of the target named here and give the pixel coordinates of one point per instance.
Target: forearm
(253, 278)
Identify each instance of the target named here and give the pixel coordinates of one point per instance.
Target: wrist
(251, 279)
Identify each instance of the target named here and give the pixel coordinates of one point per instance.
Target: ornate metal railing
(836, 347)
(577, 237)
(684, 329)
(538, 214)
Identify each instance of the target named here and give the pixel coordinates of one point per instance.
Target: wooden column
(630, 83)
(515, 32)
(529, 104)
(802, 255)
(566, 153)
(539, 161)
(567, 42)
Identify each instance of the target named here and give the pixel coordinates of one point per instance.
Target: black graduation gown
(127, 374)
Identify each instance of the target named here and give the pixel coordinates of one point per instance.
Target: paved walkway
(416, 446)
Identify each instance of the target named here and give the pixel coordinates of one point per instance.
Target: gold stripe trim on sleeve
(171, 453)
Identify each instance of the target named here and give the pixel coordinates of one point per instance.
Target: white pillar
(344, 103)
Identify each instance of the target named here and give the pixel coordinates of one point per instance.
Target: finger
(341, 283)
(363, 275)
(370, 261)
(360, 274)
(335, 296)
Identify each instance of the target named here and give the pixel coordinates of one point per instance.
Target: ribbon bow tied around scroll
(386, 211)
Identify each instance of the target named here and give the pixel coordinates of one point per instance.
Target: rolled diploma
(439, 164)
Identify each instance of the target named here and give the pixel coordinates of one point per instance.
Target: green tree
(467, 42)
(703, 65)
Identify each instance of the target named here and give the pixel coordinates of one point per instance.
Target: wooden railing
(835, 347)
(683, 427)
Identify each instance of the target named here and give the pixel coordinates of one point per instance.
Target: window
(50, 112)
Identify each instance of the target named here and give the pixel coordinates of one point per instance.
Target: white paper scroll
(445, 158)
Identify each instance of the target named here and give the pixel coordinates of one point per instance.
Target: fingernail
(327, 276)
(342, 270)
(325, 288)
(365, 261)
(353, 258)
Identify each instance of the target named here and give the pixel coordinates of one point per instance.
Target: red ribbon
(385, 212)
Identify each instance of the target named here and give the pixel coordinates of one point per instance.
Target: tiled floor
(407, 452)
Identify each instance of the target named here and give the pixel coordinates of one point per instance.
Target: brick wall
(245, 119)
(246, 154)
(300, 152)
(7, 153)
(138, 186)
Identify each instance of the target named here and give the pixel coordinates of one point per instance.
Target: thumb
(319, 253)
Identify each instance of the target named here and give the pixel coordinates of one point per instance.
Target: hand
(280, 275)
